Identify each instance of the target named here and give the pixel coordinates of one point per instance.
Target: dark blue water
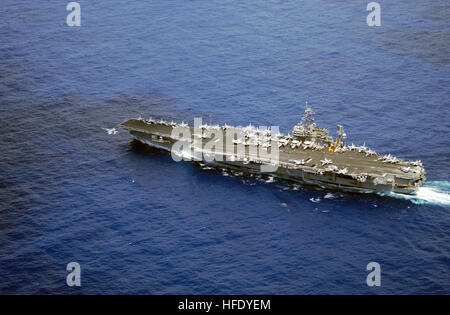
(137, 222)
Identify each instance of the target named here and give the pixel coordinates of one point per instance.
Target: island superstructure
(309, 156)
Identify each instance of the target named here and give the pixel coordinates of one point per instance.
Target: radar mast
(308, 116)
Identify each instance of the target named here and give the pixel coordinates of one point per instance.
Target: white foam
(431, 193)
(329, 196)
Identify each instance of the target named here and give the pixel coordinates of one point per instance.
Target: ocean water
(138, 222)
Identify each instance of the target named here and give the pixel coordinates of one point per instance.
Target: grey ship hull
(365, 173)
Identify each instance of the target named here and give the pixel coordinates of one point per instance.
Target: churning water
(432, 192)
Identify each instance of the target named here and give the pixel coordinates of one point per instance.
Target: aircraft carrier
(308, 156)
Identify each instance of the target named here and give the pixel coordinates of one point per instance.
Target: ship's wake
(437, 192)
(433, 192)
